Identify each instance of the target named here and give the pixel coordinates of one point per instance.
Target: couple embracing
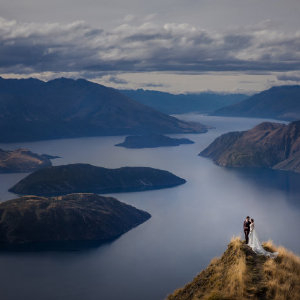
(252, 239)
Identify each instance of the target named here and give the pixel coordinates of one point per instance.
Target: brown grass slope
(22, 160)
(241, 274)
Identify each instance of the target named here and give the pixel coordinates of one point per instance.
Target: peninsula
(23, 160)
(85, 178)
(75, 218)
(268, 145)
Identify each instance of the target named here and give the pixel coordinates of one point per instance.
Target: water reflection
(267, 179)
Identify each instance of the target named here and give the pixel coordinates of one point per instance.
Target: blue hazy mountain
(282, 102)
(31, 109)
(183, 103)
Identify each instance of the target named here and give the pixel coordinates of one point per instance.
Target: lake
(190, 224)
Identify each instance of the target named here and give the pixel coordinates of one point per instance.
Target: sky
(177, 46)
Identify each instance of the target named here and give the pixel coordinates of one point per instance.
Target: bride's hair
(252, 220)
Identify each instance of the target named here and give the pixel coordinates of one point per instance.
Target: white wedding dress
(255, 244)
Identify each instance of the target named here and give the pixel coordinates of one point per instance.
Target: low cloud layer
(32, 48)
(289, 77)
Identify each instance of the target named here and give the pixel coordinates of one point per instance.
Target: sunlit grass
(242, 274)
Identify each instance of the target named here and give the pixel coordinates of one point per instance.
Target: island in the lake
(152, 141)
(241, 274)
(81, 218)
(23, 160)
(268, 145)
(85, 178)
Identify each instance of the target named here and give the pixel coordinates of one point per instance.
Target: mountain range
(168, 103)
(281, 102)
(31, 109)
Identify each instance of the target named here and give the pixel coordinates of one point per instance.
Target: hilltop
(281, 102)
(241, 274)
(64, 108)
(268, 145)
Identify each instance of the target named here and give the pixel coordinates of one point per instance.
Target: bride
(255, 244)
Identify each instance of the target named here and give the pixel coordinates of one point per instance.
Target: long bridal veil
(256, 246)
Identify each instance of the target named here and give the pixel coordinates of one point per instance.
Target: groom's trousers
(247, 235)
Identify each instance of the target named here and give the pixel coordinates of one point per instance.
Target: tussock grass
(282, 274)
(241, 274)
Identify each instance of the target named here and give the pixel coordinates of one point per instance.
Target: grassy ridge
(241, 274)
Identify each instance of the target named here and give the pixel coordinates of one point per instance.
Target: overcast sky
(170, 45)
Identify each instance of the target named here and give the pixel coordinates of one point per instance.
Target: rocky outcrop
(152, 141)
(85, 178)
(268, 145)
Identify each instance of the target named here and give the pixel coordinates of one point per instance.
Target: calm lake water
(190, 224)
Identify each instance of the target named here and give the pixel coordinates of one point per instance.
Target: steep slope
(70, 218)
(32, 110)
(268, 145)
(85, 178)
(282, 102)
(241, 274)
(152, 141)
(183, 103)
(22, 160)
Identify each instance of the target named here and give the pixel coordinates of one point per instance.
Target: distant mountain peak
(278, 102)
(63, 108)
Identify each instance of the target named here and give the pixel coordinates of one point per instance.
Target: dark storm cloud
(76, 47)
(287, 77)
(117, 80)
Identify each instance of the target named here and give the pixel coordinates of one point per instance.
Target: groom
(247, 228)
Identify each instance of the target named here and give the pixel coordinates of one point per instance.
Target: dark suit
(247, 230)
